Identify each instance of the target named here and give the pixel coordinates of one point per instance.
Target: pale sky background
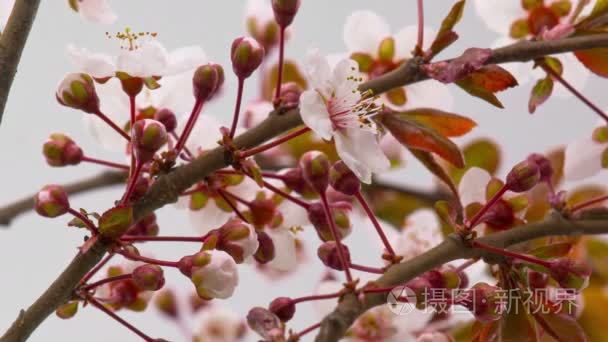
(35, 250)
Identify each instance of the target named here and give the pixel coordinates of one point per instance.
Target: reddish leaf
(596, 60)
(446, 124)
(486, 81)
(564, 326)
(431, 164)
(445, 37)
(516, 325)
(540, 93)
(555, 250)
(471, 60)
(415, 135)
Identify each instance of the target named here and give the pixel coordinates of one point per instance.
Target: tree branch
(101, 180)
(166, 189)
(12, 41)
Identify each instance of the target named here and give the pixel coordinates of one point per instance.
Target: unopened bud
(421, 288)
(167, 118)
(246, 55)
(51, 201)
(145, 227)
(570, 274)
(317, 217)
(523, 177)
(148, 136)
(263, 322)
(315, 170)
(283, 307)
(263, 211)
(77, 91)
(328, 253)
(149, 277)
(265, 252)
(60, 150)
(343, 179)
(166, 302)
(67, 310)
(290, 95)
(189, 263)
(285, 11)
(294, 180)
(544, 166)
(218, 278)
(238, 239)
(484, 301)
(207, 80)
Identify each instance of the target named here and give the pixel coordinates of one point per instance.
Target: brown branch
(12, 41)
(166, 189)
(102, 180)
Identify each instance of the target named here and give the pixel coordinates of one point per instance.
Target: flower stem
(186, 150)
(277, 94)
(253, 151)
(236, 210)
(96, 269)
(316, 297)
(575, 92)
(307, 330)
(475, 220)
(117, 318)
(148, 260)
(134, 238)
(105, 163)
(336, 236)
(132, 182)
(287, 196)
(196, 110)
(237, 107)
(420, 42)
(84, 219)
(374, 220)
(111, 123)
(366, 269)
(588, 203)
(510, 254)
(105, 281)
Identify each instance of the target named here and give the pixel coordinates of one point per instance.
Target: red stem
(111, 123)
(130, 238)
(316, 297)
(196, 110)
(132, 182)
(96, 269)
(287, 196)
(237, 107)
(510, 254)
(148, 260)
(117, 318)
(186, 150)
(366, 269)
(575, 92)
(419, 46)
(105, 281)
(277, 94)
(475, 220)
(84, 219)
(374, 220)
(253, 151)
(336, 236)
(233, 205)
(588, 203)
(105, 163)
(307, 330)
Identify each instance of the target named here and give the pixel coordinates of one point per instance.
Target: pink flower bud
(343, 179)
(285, 11)
(246, 55)
(148, 277)
(238, 239)
(78, 91)
(421, 288)
(570, 274)
(166, 303)
(167, 118)
(328, 253)
(294, 180)
(265, 252)
(263, 211)
(141, 188)
(60, 150)
(207, 80)
(218, 278)
(500, 216)
(315, 169)
(67, 310)
(189, 263)
(523, 176)
(144, 227)
(51, 201)
(148, 136)
(484, 301)
(544, 166)
(290, 95)
(317, 217)
(283, 307)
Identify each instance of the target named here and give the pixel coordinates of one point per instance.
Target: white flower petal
(220, 276)
(98, 11)
(314, 114)
(6, 6)
(208, 218)
(361, 152)
(574, 73)
(318, 71)
(583, 159)
(498, 15)
(284, 249)
(260, 10)
(94, 64)
(344, 73)
(421, 232)
(429, 94)
(293, 214)
(204, 135)
(472, 187)
(175, 93)
(255, 113)
(218, 324)
(114, 103)
(325, 307)
(151, 59)
(185, 59)
(407, 38)
(363, 32)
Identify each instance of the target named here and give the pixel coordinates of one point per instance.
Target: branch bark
(101, 180)
(166, 189)
(12, 42)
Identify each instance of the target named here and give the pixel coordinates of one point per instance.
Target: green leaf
(540, 93)
(446, 36)
(487, 81)
(446, 124)
(482, 153)
(114, 222)
(600, 9)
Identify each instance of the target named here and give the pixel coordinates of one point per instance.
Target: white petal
(314, 114)
(407, 38)
(429, 94)
(175, 93)
(260, 10)
(361, 152)
(94, 64)
(574, 73)
(6, 6)
(185, 59)
(498, 15)
(472, 187)
(325, 307)
(363, 32)
(293, 214)
(114, 103)
(420, 233)
(318, 71)
(220, 277)
(583, 159)
(344, 72)
(284, 249)
(217, 324)
(96, 11)
(255, 113)
(151, 59)
(204, 135)
(208, 218)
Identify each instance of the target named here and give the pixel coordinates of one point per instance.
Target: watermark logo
(401, 300)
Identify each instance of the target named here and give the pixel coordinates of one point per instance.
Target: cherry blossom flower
(219, 324)
(6, 6)
(138, 59)
(421, 231)
(370, 42)
(334, 108)
(585, 157)
(505, 17)
(218, 278)
(97, 11)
